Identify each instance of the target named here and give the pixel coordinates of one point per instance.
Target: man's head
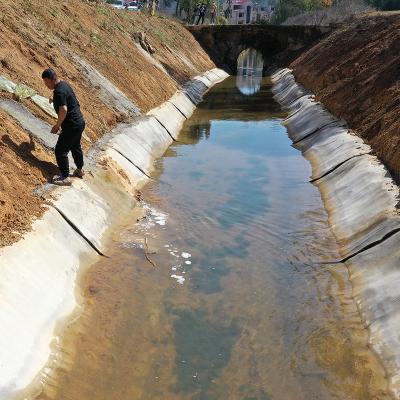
(50, 78)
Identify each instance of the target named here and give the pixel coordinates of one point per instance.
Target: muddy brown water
(236, 305)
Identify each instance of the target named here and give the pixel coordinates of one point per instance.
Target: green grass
(96, 38)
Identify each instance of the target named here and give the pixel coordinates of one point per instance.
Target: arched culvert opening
(250, 64)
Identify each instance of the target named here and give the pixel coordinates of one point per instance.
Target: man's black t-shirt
(64, 96)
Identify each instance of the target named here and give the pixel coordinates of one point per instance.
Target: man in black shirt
(72, 124)
(202, 13)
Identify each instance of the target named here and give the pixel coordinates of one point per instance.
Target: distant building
(241, 12)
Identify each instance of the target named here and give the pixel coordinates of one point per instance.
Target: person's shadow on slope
(24, 150)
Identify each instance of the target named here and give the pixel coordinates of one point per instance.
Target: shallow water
(232, 301)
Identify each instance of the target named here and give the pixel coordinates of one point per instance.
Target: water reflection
(249, 71)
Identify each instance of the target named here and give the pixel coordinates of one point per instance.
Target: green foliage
(188, 7)
(105, 10)
(387, 5)
(27, 6)
(23, 92)
(264, 21)
(96, 38)
(222, 20)
(162, 37)
(111, 26)
(289, 8)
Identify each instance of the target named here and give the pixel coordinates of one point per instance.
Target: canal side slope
(116, 72)
(355, 73)
(361, 199)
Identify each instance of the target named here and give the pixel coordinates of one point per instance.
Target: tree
(387, 5)
(290, 8)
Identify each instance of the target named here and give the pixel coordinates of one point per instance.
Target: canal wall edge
(362, 204)
(40, 270)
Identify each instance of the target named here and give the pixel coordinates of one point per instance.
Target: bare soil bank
(355, 72)
(36, 34)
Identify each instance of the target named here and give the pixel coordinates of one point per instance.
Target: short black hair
(49, 73)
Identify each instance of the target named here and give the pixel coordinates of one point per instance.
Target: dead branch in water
(146, 249)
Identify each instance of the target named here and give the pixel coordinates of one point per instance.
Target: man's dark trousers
(69, 141)
(201, 17)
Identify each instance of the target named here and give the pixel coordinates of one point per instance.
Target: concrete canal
(221, 290)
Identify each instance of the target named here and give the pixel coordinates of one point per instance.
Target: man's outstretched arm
(62, 113)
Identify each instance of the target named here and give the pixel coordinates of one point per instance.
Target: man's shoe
(78, 173)
(62, 180)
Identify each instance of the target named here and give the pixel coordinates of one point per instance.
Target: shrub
(340, 11)
(222, 20)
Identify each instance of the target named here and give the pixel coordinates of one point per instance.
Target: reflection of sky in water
(249, 71)
(231, 175)
(263, 138)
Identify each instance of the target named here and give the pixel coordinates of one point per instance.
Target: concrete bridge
(278, 44)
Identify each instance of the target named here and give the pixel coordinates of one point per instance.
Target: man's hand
(55, 129)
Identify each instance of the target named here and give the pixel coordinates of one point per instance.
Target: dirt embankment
(37, 34)
(355, 72)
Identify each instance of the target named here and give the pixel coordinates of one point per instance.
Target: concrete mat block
(39, 129)
(43, 103)
(301, 103)
(195, 90)
(286, 82)
(169, 117)
(133, 151)
(213, 77)
(330, 147)
(290, 95)
(309, 121)
(86, 210)
(279, 74)
(284, 78)
(6, 85)
(220, 73)
(283, 85)
(355, 218)
(107, 91)
(127, 170)
(94, 204)
(204, 79)
(37, 288)
(286, 90)
(376, 281)
(150, 134)
(182, 102)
